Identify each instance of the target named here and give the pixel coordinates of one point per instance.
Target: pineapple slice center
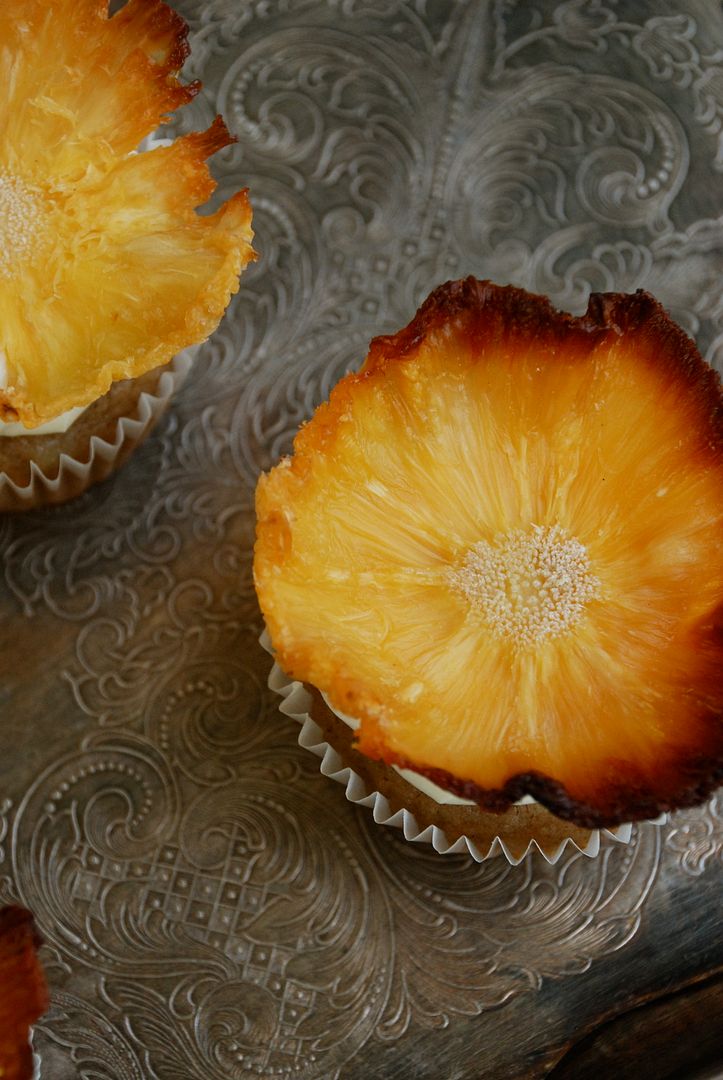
(22, 223)
(528, 585)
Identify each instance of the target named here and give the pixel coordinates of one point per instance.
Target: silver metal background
(212, 906)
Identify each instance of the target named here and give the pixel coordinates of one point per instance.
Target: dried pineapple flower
(23, 991)
(106, 268)
(499, 546)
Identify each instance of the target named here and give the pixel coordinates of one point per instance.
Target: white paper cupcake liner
(296, 704)
(74, 476)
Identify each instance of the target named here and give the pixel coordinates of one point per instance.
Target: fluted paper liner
(75, 476)
(297, 702)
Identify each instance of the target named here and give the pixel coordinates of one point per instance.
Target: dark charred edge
(606, 312)
(621, 313)
(166, 19)
(483, 309)
(482, 304)
(216, 137)
(181, 50)
(625, 803)
(471, 296)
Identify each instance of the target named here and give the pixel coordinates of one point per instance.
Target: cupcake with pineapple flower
(108, 273)
(492, 572)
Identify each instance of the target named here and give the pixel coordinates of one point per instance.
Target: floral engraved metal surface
(697, 838)
(258, 916)
(211, 906)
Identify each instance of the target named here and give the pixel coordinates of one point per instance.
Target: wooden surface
(675, 1036)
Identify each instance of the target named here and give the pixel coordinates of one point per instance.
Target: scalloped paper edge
(296, 705)
(74, 476)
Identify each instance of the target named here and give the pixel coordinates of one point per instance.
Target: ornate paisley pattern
(258, 915)
(697, 837)
(211, 906)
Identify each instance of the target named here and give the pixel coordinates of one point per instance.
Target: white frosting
(56, 426)
(434, 791)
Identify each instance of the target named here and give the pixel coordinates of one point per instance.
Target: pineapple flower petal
(106, 267)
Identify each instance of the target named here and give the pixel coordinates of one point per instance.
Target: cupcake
(107, 270)
(497, 551)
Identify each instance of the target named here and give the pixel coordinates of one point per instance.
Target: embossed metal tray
(211, 905)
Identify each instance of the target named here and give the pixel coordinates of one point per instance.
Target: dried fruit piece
(106, 268)
(499, 546)
(23, 993)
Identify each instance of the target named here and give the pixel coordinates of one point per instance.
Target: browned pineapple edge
(498, 546)
(23, 992)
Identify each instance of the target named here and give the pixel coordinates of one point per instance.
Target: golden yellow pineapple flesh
(106, 268)
(499, 546)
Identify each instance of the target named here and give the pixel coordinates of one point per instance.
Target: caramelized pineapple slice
(499, 546)
(106, 268)
(23, 993)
